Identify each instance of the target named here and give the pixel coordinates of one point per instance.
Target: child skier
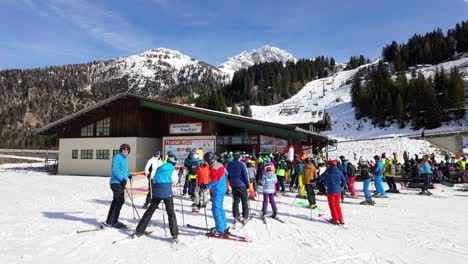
(269, 181)
(202, 194)
(335, 181)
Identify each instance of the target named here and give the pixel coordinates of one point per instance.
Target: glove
(124, 182)
(203, 186)
(130, 176)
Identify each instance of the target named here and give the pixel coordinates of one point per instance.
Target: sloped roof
(287, 131)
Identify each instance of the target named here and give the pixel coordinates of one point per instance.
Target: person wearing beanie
(335, 181)
(150, 169)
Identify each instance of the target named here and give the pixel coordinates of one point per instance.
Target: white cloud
(102, 24)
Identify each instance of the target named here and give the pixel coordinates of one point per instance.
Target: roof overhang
(281, 130)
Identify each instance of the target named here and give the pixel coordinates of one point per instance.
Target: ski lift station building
(88, 139)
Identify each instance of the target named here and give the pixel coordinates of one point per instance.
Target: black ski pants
(322, 187)
(117, 201)
(169, 203)
(240, 194)
(148, 196)
(391, 183)
(280, 184)
(310, 194)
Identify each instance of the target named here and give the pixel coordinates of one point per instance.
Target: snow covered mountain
(246, 59)
(332, 94)
(159, 69)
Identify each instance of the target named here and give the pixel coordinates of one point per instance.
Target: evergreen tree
(234, 110)
(355, 90)
(399, 111)
(456, 92)
(246, 111)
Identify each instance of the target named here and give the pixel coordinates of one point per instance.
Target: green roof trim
(285, 133)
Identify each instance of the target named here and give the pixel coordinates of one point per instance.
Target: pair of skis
(227, 236)
(264, 219)
(103, 226)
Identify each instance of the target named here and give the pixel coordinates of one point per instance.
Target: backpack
(392, 169)
(193, 168)
(351, 170)
(365, 172)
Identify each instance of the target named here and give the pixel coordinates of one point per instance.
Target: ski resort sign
(181, 146)
(187, 128)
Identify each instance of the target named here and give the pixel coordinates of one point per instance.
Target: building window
(87, 131)
(74, 154)
(115, 152)
(86, 154)
(102, 154)
(103, 127)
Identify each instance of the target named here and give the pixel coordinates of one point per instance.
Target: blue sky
(37, 33)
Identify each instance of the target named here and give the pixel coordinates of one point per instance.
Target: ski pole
(131, 192)
(131, 199)
(256, 205)
(182, 205)
(206, 219)
(133, 205)
(164, 220)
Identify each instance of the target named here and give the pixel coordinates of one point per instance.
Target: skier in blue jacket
(163, 180)
(119, 176)
(335, 181)
(218, 176)
(378, 172)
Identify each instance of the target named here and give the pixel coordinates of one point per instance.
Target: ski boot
(274, 215)
(313, 206)
(368, 201)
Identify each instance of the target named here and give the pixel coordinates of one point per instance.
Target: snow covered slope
(39, 225)
(163, 66)
(337, 102)
(246, 59)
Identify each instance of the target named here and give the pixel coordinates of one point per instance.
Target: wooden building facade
(90, 136)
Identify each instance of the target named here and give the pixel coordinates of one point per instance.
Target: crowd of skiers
(210, 177)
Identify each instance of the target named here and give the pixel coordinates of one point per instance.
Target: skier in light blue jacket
(378, 172)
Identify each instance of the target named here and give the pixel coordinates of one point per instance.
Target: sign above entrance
(271, 144)
(237, 140)
(187, 128)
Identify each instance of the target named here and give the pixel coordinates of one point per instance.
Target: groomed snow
(41, 214)
(337, 102)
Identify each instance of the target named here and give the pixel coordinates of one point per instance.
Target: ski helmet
(332, 163)
(124, 146)
(209, 157)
